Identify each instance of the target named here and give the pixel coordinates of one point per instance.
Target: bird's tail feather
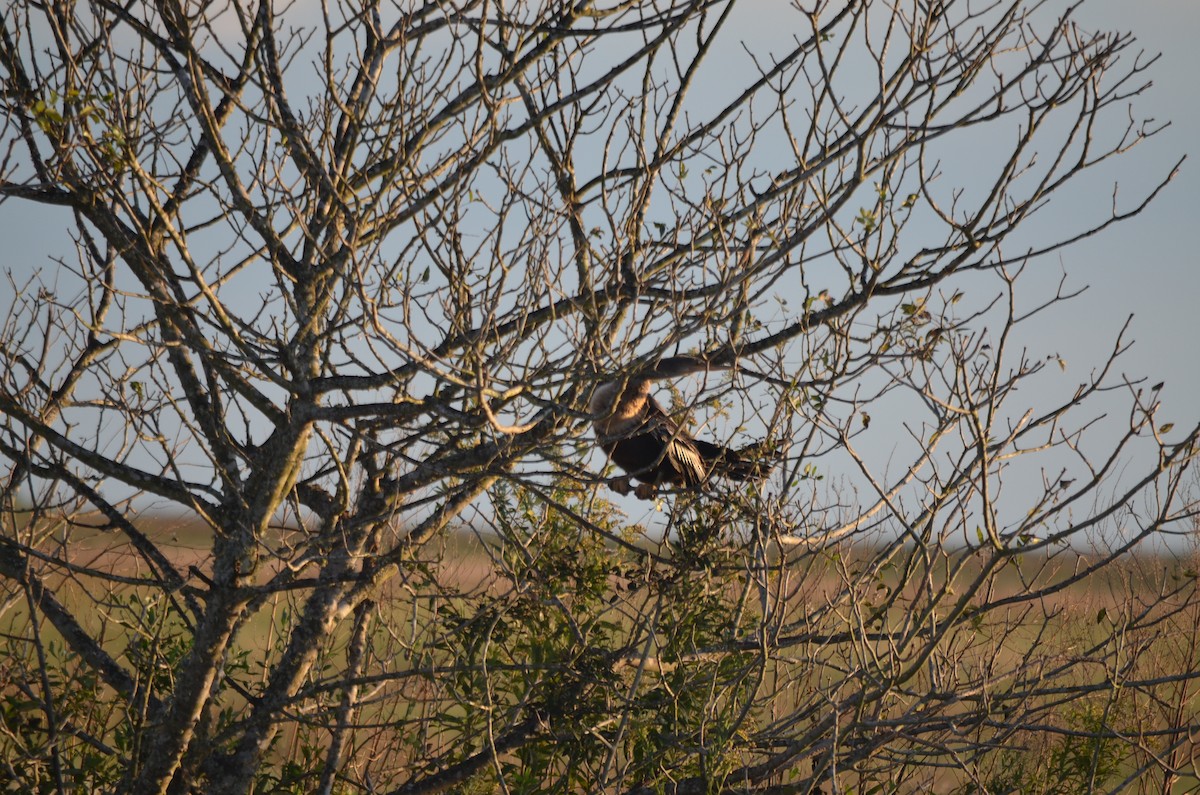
(752, 462)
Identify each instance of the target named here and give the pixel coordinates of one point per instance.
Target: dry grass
(1066, 621)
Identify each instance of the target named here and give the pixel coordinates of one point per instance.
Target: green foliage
(583, 631)
(84, 118)
(96, 733)
(158, 640)
(86, 716)
(1089, 755)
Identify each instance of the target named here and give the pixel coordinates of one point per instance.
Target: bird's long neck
(616, 405)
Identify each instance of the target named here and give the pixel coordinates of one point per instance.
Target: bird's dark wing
(679, 451)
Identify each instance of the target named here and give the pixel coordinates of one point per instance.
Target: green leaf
(867, 219)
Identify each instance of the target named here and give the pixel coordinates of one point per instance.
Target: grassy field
(1119, 626)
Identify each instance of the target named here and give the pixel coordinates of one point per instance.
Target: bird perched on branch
(639, 437)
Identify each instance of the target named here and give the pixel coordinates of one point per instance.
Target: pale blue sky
(1147, 266)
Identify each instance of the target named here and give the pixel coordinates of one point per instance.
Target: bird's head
(679, 366)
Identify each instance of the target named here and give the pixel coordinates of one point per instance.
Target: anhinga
(640, 438)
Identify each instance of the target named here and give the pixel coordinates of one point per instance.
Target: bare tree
(344, 279)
